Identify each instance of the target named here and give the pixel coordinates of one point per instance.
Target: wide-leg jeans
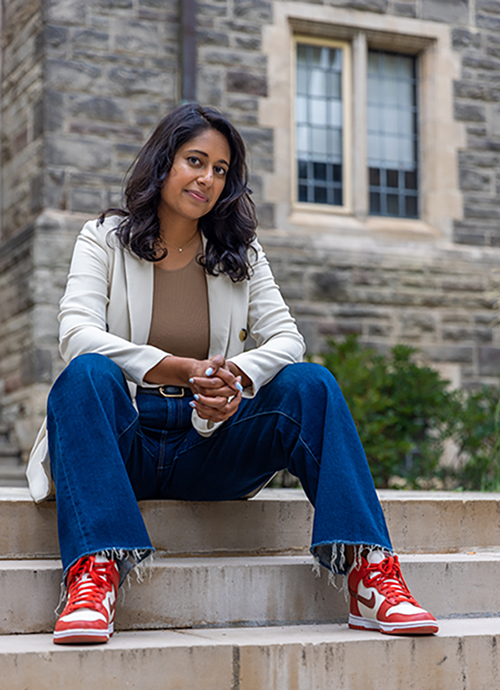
(106, 454)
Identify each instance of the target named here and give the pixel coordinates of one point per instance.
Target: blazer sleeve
(83, 308)
(278, 340)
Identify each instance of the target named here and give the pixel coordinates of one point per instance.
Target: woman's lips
(197, 195)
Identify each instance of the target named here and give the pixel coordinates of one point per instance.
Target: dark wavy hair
(229, 227)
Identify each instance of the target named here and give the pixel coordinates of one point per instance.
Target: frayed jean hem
(332, 555)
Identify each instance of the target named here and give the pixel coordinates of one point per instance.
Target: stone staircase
(231, 602)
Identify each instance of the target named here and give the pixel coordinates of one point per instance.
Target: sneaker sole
(83, 635)
(409, 628)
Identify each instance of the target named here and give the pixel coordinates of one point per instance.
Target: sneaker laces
(388, 579)
(88, 582)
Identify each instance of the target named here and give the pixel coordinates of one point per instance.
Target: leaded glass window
(392, 134)
(319, 129)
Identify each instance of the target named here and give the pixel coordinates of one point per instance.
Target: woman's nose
(206, 176)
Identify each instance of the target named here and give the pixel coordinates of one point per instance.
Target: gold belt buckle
(171, 395)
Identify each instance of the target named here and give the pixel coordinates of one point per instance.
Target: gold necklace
(179, 249)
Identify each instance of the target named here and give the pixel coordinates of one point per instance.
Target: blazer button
(243, 334)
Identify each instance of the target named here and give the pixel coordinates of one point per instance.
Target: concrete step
(250, 591)
(318, 657)
(277, 521)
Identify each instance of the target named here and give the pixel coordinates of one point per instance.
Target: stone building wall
(85, 81)
(21, 93)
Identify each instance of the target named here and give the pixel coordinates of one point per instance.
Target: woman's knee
(91, 368)
(308, 377)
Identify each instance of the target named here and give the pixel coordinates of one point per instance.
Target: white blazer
(107, 308)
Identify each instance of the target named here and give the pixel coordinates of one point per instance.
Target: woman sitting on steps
(160, 400)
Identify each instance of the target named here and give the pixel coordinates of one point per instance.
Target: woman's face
(197, 177)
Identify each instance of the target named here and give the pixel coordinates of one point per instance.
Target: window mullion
(360, 127)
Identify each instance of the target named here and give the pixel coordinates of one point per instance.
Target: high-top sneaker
(381, 600)
(88, 616)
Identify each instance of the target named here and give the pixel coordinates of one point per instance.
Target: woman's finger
(215, 409)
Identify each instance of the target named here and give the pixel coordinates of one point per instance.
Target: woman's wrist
(172, 370)
(236, 371)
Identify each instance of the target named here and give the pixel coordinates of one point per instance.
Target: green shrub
(402, 409)
(476, 433)
(404, 412)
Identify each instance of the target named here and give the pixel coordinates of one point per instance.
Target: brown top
(180, 321)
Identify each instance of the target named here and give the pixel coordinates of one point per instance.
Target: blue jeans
(106, 456)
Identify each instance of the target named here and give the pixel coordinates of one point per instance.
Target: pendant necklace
(179, 249)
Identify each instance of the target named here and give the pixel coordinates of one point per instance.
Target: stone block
(476, 91)
(265, 214)
(55, 194)
(53, 110)
(463, 38)
(474, 180)
(449, 353)
(36, 193)
(36, 366)
(212, 38)
(481, 209)
(458, 334)
(246, 82)
(232, 58)
(130, 81)
(86, 154)
(492, 6)
(329, 285)
(487, 318)
(480, 63)
(259, 10)
(405, 10)
(114, 4)
(38, 118)
(71, 75)
(102, 108)
(66, 11)
(449, 11)
(489, 361)
(467, 234)
(55, 37)
(91, 38)
(157, 4)
(248, 42)
(488, 22)
(258, 141)
(207, 9)
(210, 86)
(333, 328)
(469, 112)
(86, 200)
(139, 38)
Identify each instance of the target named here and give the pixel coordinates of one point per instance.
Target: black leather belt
(167, 391)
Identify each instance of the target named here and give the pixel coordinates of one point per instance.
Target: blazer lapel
(140, 284)
(219, 304)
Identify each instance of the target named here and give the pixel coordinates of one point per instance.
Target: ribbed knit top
(180, 321)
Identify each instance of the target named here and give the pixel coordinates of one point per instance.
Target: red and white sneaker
(88, 616)
(381, 600)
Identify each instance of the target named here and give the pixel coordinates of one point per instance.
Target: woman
(160, 400)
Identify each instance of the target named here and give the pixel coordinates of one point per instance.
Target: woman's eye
(220, 171)
(194, 160)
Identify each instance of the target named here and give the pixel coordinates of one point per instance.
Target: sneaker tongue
(376, 556)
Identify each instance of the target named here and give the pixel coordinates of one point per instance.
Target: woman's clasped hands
(217, 390)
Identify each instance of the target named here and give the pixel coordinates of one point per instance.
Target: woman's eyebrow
(202, 153)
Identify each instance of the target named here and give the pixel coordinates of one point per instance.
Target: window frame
(347, 102)
(441, 138)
